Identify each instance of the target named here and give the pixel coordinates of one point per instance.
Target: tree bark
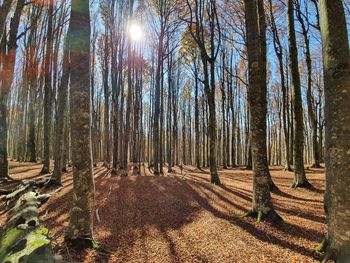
(300, 179)
(257, 91)
(61, 116)
(80, 228)
(337, 118)
(8, 58)
(310, 100)
(48, 92)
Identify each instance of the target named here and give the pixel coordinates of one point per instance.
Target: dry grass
(178, 218)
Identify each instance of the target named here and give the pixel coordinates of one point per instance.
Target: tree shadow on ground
(165, 204)
(279, 192)
(262, 235)
(132, 209)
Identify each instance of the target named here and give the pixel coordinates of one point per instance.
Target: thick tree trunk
(336, 62)
(298, 152)
(80, 228)
(257, 91)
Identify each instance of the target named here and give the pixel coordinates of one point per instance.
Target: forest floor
(183, 218)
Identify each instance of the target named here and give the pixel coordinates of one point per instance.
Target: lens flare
(135, 32)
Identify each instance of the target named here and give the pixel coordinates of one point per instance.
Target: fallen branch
(22, 237)
(98, 216)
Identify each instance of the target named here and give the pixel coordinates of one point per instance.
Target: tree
(257, 90)
(61, 116)
(310, 100)
(300, 179)
(279, 53)
(205, 29)
(7, 61)
(5, 8)
(48, 90)
(336, 61)
(79, 231)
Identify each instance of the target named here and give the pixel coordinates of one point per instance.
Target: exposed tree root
(114, 172)
(45, 170)
(273, 186)
(107, 165)
(82, 243)
(301, 185)
(54, 183)
(287, 168)
(123, 172)
(7, 179)
(271, 216)
(316, 166)
(214, 179)
(331, 254)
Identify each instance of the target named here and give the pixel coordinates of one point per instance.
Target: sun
(135, 32)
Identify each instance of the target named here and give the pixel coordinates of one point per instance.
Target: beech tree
(79, 231)
(300, 179)
(336, 61)
(256, 47)
(7, 62)
(203, 13)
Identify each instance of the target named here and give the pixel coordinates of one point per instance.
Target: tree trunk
(337, 118)
(310, 100)
(48, 92)
(157, 95)
(257, 91)
(61, 116)
(31, 135)
(210, 91)
(279, 53)
(80, 228)
(106, 145)
(7, 73)
(196, 117)
(298, 152)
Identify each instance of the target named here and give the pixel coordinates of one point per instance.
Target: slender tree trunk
(157, 95)
(107, 143)
(8, 58)
(300, 179)
(5, 8)
(310, 100)
(210, 91)
(48, 92)
(224, 117)
(196, 118)
(31, 120)
(279, 53)
(61, 116)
